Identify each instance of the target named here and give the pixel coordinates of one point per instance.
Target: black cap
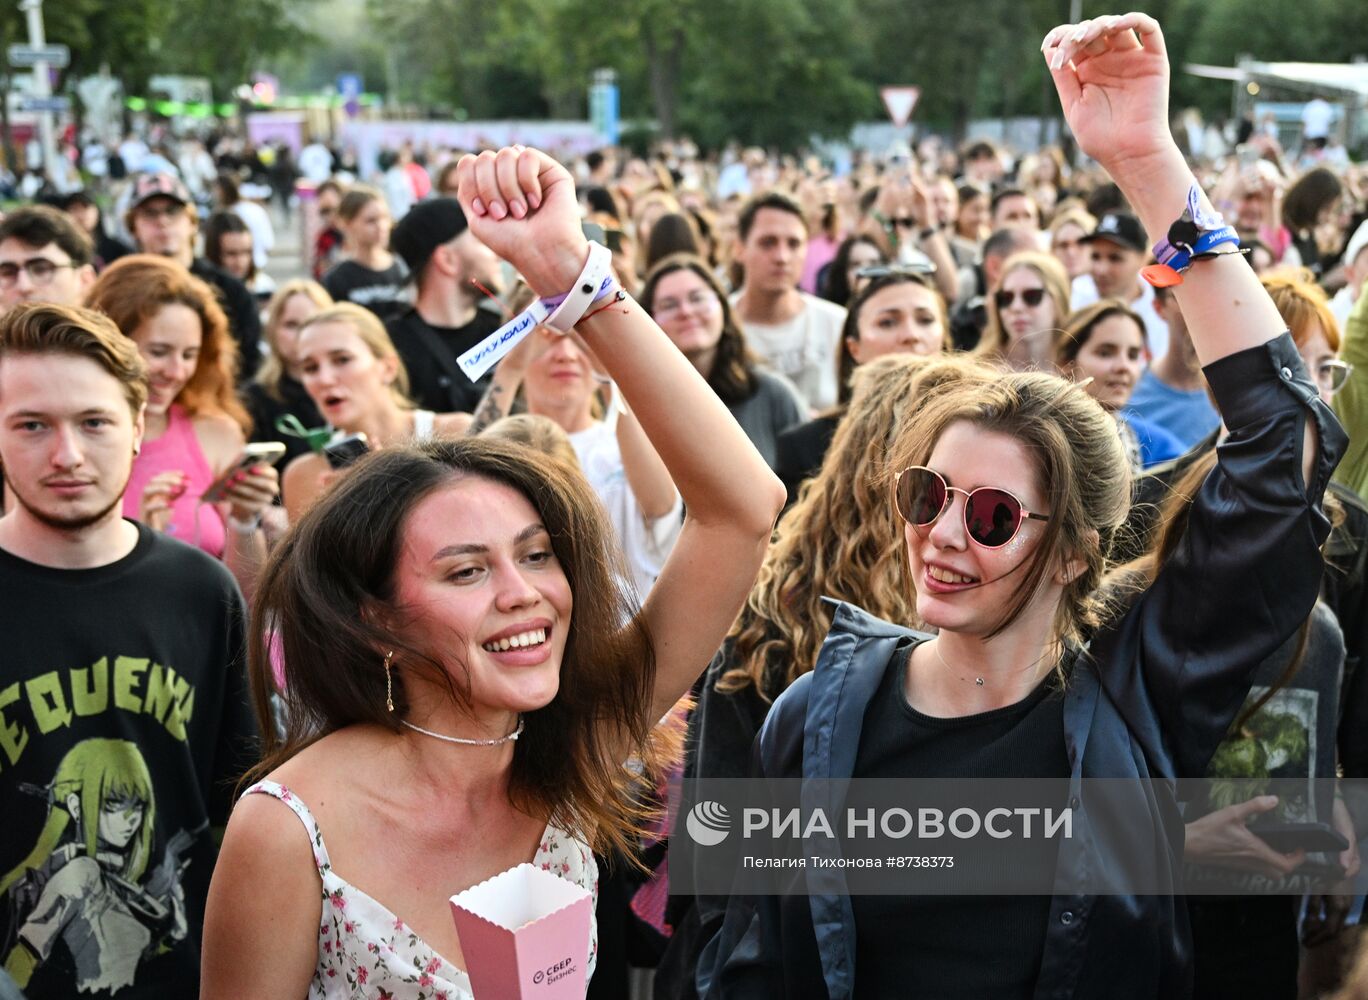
(427, 226)
(78, 197)
(1123, 230)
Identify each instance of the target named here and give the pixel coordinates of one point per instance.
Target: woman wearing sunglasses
(895, 311)
(1103, 347)
(1024, 312)
(1011, 493)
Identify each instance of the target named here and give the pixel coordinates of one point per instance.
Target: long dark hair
(328, 592)
(1074, 334)
(733, 372)
(850, 330)
(836, 286)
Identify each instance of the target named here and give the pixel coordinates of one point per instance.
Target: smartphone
(256, 453)
(344, 451)
(1287, 837)
(1247, 156)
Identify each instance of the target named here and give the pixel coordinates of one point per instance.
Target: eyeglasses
(992, 516)
(874, 271)
(697, 301)
(1031, 296)
(903, 221)
(39, 270)
(1330, 375)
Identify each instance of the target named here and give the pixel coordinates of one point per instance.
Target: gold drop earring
(389, 683)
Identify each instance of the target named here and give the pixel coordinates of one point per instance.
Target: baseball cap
(149, 186)
(427, 226)
(1123, 230)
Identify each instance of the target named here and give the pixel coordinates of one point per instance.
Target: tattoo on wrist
(489, 410)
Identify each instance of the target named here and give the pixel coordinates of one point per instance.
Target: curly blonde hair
(842, 538)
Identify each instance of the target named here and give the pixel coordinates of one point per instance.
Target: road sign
(57, 104)
(29, 55)
(900, 101)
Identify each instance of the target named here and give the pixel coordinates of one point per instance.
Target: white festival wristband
(561, 312)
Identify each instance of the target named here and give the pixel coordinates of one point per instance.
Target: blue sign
(57, 104)
(603, 111)
(349, 86)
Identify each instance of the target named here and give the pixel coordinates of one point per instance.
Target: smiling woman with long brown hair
(196, 427)
(472, 585)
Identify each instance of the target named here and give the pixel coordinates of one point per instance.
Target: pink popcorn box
(525, 936)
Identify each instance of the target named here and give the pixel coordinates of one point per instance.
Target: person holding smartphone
(352, 372)
(196, 426)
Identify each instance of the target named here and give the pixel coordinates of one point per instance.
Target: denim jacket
(1152, 699)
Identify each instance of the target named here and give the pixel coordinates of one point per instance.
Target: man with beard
(123, 709)
(450, 267)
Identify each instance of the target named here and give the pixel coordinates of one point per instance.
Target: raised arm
(1112, 74)
(521, 204)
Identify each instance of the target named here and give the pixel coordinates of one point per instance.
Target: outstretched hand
(521, 204)
(1112, 75)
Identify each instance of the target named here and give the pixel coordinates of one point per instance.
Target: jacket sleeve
(1244, 576)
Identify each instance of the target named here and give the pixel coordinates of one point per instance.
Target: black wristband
(927, 233)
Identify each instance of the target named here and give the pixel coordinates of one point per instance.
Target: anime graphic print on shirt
(90, 882)
(124, 725)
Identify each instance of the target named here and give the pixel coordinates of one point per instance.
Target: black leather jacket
(1152, 700)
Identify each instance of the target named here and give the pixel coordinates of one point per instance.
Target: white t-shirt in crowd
(263, 233)
(315, 162)
(1316, 118)
(645, 543)
(803, 350)
(1084, 293)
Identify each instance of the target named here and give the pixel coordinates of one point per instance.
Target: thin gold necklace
(935, 646)
(497, 741)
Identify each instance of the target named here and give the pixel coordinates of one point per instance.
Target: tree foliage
(772, 72)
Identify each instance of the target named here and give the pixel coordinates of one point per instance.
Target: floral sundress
(365, 951)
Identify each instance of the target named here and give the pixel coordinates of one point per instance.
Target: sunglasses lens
(1333, 375)
(992, 517)
(921, 496)
(1031, 296)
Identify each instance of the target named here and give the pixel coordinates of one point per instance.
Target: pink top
(821, 251)
(178, 450)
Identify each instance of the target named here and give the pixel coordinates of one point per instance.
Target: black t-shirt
(244, 321)
(124, 723)
(265, 410)
(430, 352)
(382, 292)
(933, 946)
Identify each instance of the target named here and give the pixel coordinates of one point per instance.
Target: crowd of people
(952, 465)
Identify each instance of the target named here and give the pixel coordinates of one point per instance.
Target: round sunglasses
(992, 516)
(1331, 375)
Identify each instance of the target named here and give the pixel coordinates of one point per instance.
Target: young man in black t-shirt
(123, 711)
(447, 318)
(162, 218)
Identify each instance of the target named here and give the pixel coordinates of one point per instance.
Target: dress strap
(282, 793)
